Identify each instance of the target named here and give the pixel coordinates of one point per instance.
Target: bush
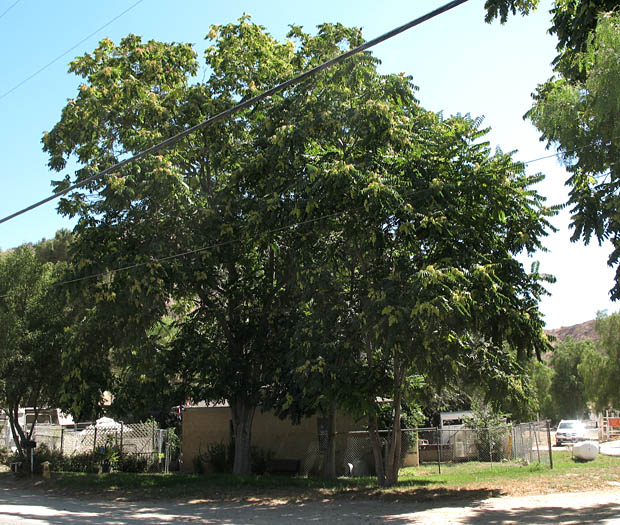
(133, 463)
(220, 456)
(198, 464)
(261, 458)
(92, 462)
(489, 427)
(41, 454)
(87, 462)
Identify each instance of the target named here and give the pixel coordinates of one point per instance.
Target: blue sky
(461, 65)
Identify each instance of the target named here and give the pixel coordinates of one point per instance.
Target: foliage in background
(600, 370)
(580, 376)
(489, 426)
(577, 111)
(567, 385)
(541, 375)
(33, 316)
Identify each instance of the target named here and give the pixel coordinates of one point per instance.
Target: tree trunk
(393, 456)
(376, 444)
(19, 435)
(242, 417)
(329, 470)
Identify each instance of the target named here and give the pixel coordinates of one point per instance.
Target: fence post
(95, 439)
(438, 435)
(549, 445)
(167, 452)
(62, 440)
(121, 448)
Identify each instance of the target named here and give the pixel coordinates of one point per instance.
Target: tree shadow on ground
(62, 510)
(546, 514)
(295, 491)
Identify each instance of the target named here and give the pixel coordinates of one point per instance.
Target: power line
(558, 153)
(235, 241)
(248, 103)
(10, 7)
(158, 260)
(38, 71)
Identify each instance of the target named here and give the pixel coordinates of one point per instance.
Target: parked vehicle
(569, 431)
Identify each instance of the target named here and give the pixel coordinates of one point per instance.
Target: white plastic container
(585, 450)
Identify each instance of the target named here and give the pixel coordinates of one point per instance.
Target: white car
(569, 431)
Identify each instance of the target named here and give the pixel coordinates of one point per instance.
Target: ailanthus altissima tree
(339, 199)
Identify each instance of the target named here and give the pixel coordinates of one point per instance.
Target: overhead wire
(170, 141)
(558, 153)
(243, 105)
(9, 8)
(40, 70)
(158, 260)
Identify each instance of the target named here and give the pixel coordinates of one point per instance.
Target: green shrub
(43, 453)
(132, 463)
(4, 454)
(490, 430)
(220, 456)
(197, 464)
(261, 458)
(82, 462)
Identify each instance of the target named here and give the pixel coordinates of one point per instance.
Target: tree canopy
(580, 115)
(32, 337)
(337, 224)
(577, 111)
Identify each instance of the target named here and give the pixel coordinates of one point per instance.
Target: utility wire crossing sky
(461, 64)
(248, 103)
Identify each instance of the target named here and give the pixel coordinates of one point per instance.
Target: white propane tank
(585, 450)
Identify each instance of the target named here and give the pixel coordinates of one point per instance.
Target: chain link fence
(525, 442)
(354, 454)
(144, 440)
(531, 442)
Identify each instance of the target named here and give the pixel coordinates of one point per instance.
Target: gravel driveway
(586, 507)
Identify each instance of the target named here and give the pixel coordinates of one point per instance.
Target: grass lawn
(463, 480)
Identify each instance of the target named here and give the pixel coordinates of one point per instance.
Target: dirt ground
(19, 507)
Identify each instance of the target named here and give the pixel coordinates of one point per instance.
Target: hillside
(578, 332)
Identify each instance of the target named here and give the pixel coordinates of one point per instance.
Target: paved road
(588, 507)
(610, 448)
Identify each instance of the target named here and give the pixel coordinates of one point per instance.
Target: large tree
(185, 199)
(406, 221)
(419, 227)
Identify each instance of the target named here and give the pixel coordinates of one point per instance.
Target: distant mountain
(578, 332)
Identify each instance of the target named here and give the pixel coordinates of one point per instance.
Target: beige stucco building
(203, 426)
